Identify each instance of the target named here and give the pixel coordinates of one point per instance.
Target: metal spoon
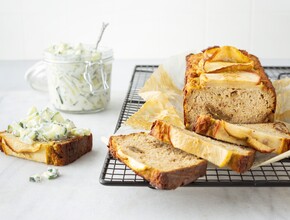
(101, 34)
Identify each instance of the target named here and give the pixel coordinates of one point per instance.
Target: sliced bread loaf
(159, 163)
(237, 158)
(229, 84)
(265, 138)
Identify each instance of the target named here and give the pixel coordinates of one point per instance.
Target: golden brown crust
(204, 125)
(58, 153)
(242, 163)
(286, 145)
(181, 177)
(1, 148)
(191, 72)
(191, 65)
(158, 179)
(65, 152)
(162, 133)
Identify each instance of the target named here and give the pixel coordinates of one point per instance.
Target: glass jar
(78, 78)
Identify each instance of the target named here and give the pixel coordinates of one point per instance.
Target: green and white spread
(45, 125)
(79, 77)
(77, 52)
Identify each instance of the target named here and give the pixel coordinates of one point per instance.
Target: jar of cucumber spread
(79, 77)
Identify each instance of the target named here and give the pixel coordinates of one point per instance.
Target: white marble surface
(77, 194)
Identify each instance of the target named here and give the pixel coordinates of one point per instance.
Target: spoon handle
(101, 34)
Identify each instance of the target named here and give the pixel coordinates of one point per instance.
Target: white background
(145, 29)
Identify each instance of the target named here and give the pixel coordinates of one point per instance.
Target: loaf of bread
(222, 154)
(228, 84)
(159, 163)
(265, 138)
(58, 153)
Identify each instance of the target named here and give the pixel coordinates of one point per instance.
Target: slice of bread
(159, 163)
(237, 158)
(57, 153)
(265, 138)
(228, 84)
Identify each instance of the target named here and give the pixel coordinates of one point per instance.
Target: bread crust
(242, 163)
(192, 75)
(58, 153)
(159, 179)
(65, 152)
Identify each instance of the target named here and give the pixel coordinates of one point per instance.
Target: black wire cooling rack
(115, 173)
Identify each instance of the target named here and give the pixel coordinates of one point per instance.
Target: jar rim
(106, 53)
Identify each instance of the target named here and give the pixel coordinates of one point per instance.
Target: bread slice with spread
(45, 136)
(228, 84)
(265, 137)
(159, 163)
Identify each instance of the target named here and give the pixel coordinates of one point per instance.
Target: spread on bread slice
(159, 163)
(229, 84)
(237, 158)
(45, 136)
(265, 138)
